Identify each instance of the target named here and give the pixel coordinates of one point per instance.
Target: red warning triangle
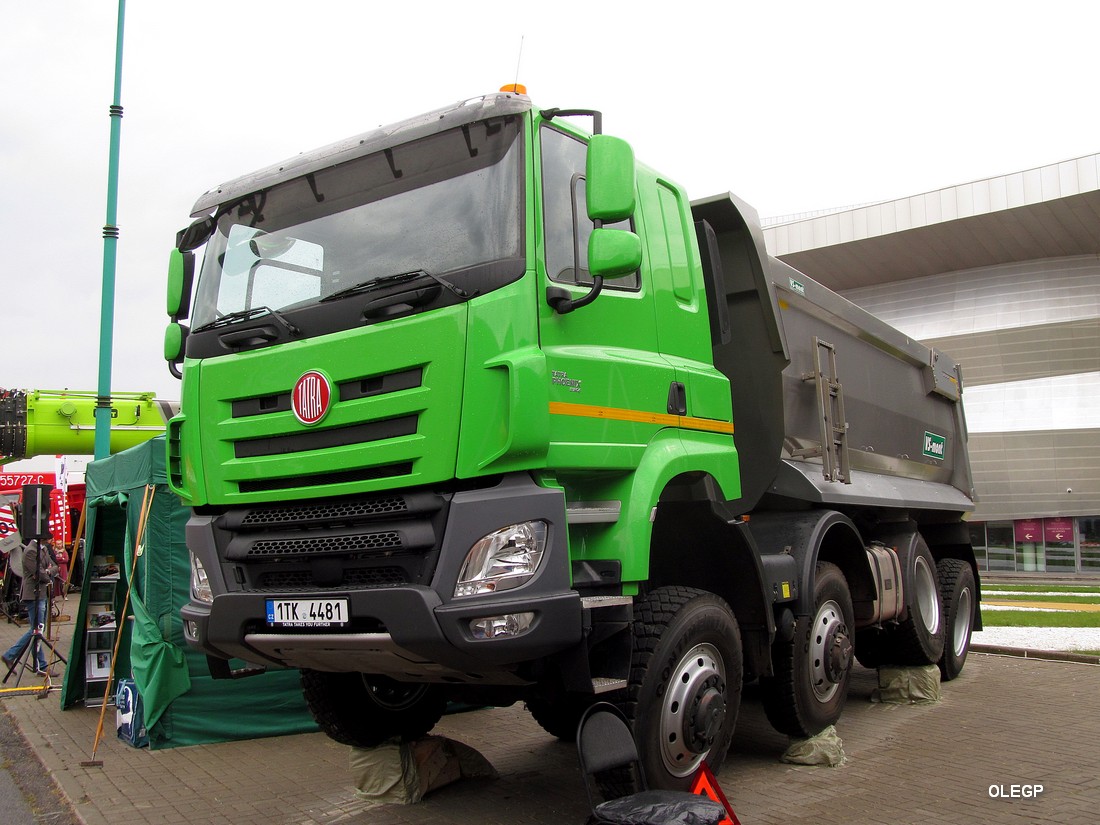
(706, 784)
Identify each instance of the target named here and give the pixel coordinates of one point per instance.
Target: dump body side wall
(901, 422)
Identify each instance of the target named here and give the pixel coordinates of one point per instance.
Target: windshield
(448, 204)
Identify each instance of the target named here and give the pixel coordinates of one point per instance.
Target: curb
(1026, 653)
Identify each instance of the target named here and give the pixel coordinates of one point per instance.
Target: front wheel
(685, 683)
(807, 692)
(364, 711)
(957, 589)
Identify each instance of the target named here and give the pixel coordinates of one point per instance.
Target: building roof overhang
(1048, 212)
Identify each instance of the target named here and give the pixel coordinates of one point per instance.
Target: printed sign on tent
(9, 531)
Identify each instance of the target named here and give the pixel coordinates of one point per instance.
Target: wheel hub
(708, 711)
(830, 651)
(838, 653)
(693, 709)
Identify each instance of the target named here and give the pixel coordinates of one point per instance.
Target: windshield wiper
(390, 280)
(246, 314)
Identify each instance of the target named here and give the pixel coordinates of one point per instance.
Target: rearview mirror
(175, 341)
(609, 179)
(181, 274)
(613, 253)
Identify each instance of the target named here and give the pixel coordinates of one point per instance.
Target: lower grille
(293, 581)
(365, 543)
(328, 511)
(330, 544)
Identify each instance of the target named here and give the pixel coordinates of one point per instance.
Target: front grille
(300, 581)
(312, 512)
(327, 438)
(346, 391)
(363, 543)
(292, 482)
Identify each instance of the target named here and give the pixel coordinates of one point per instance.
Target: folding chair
(605, 743)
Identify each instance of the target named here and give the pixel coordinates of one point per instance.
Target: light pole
(110, 250)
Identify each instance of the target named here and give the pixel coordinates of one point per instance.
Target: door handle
(677, 399)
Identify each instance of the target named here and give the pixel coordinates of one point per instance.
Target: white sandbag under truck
(476, 407)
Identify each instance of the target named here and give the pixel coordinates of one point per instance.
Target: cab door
(609, 390)
(680, 305)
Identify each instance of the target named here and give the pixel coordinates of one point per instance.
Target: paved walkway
(1005, 723)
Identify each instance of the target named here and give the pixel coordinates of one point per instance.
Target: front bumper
(413, 631)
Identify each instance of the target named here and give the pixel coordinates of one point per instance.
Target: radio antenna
(519, 59)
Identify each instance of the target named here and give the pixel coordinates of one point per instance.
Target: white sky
(793, 106)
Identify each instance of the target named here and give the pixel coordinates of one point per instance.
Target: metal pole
(110, 244)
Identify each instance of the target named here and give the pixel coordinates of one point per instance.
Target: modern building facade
(1003, 275)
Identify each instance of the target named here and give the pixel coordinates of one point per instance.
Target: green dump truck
(477, 408)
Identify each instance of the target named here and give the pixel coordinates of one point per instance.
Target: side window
(565, 223)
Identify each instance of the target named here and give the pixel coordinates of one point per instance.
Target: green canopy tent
(183, 705)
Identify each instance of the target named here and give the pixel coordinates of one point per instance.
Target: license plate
(307, 612)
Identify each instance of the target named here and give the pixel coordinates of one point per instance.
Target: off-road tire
(365, 711)
(918, 640)
(807, 692)
(687, 660)
(959, 592)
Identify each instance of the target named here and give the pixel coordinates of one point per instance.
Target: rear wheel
(919, 639)
(685, 683)
(806, 694)
(365, 711)
(958, 592)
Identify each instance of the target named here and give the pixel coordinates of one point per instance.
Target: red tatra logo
(311, 397)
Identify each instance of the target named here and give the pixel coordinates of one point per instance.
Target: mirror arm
(563, 304)
(174, 368)
(597, 117)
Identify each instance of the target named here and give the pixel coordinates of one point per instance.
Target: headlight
(200, 584)
(503, 560)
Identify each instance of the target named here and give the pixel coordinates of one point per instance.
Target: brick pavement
(1005, 721)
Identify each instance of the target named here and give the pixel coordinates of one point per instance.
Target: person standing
(38, 570)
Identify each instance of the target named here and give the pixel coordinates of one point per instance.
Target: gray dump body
(831, 405)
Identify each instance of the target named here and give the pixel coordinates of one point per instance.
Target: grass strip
(1028, 597)
(1020, 618)
(1048, 588)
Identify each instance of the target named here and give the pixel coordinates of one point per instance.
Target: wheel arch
(696, 543)
(811, 536)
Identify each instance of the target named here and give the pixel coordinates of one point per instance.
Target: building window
(1001, 552)
(1030, 557)
(1089, 528)
(1061, 553)
(977, 541)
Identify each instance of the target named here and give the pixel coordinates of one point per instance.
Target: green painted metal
(110, 252)
(581, 399)
(211, 435)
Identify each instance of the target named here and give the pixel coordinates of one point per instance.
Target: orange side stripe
(686, 422)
